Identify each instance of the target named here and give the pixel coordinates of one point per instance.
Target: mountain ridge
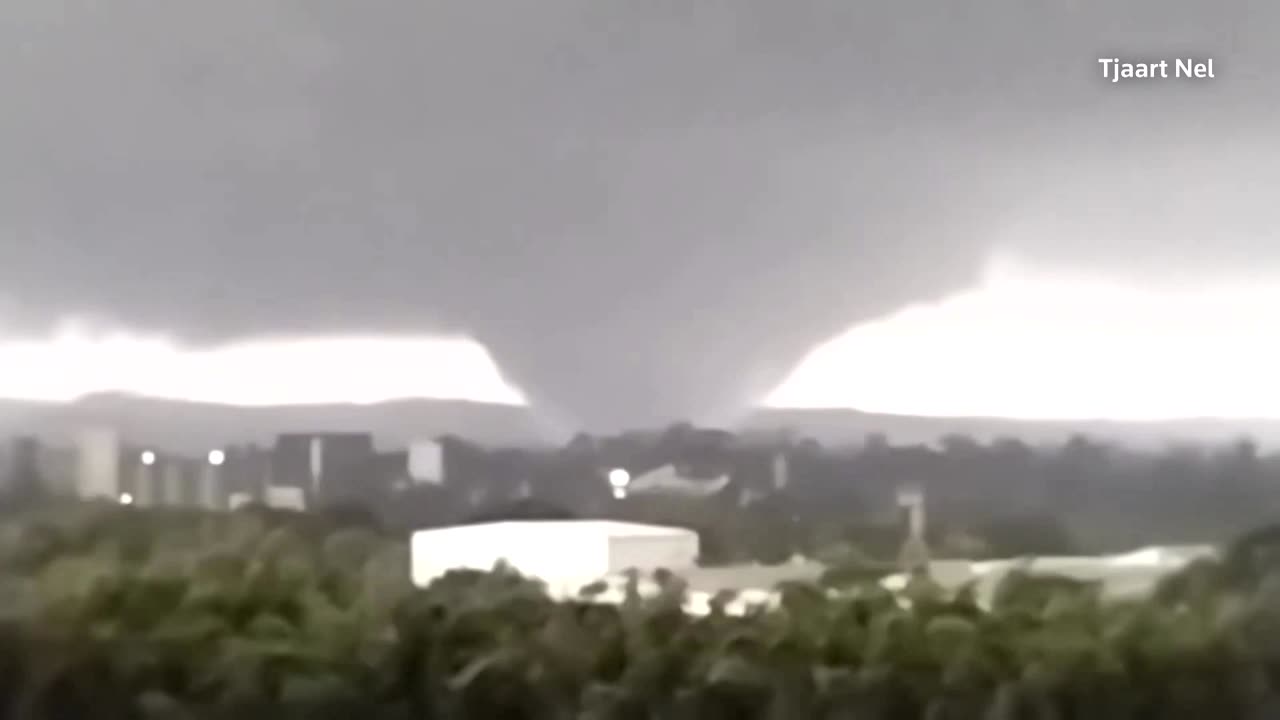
(195, 427)
(844, 426)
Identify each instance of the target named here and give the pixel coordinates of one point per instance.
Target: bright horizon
(74, 362)
(1039, 345)
(1024, 343)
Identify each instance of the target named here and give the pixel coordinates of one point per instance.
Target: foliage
(1027, 534)
(118, 613)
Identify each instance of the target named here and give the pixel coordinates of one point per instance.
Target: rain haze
(633, 213)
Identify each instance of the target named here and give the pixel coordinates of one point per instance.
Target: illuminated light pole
(619, 479)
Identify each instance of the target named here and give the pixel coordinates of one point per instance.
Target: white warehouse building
(565, 554)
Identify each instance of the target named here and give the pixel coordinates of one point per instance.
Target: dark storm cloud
(645, 209)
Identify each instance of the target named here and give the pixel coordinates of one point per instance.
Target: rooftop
(598, 527)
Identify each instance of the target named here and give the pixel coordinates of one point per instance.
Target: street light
(217, 457)
(148, 457)
(619, 478)
(126, 499)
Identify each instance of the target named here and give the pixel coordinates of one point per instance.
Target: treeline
(125, 614)
(982, 499)
(1083, 495)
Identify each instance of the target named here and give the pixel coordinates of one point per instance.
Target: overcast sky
(645, 210)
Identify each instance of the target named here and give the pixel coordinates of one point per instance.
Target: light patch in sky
(1053, 346)
(75, 362)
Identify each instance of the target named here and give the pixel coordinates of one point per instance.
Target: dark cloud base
(648, 212)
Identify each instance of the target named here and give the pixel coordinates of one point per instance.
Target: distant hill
(196, 427)
(841, 427)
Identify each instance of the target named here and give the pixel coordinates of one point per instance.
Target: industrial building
(1123, 575)
(565, 554)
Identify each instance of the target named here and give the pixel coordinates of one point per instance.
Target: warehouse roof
(598, 527)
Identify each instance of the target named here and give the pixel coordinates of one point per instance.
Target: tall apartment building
(22, 470)
(330, 467)
(99, 464)
(248, 472)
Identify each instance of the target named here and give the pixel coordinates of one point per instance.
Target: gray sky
(647, 210)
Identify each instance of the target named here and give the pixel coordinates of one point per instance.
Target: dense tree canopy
(116, 613)
(1080, 496)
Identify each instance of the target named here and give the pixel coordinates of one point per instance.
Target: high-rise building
(22, 471)
(328, 466)
(781, 471)
(174, 482)
(145, 485)
(426, 462)
(247, 472)
(211, 488)
(99, 464)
